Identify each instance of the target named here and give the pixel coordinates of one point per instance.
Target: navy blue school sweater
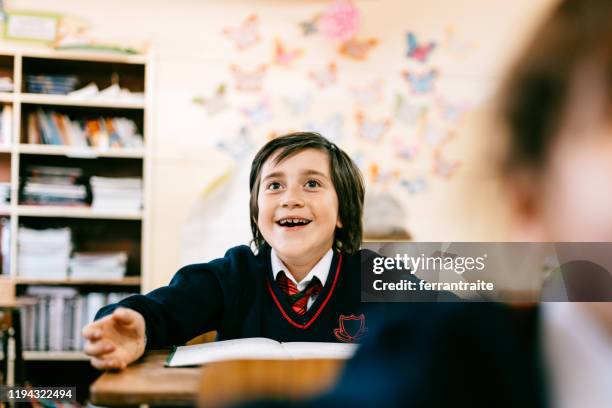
(237, 296)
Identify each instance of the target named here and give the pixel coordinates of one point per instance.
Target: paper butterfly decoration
(326, 76)
(371, 130)
(284, 57)
(246, 35)
(340, 21)
(258, 113)
(379, 176)
(437, 137)
(309, 27)
(216, 103)
(357, 49)
(331, 128)
(421, 83)
(443, 167)
(238, 146)
(368, 95)
(409, 113)
(414, 186)
(454, 46)
(404, 151)
(451, 112)
(416, 51)
(249, 81)
(298, 104)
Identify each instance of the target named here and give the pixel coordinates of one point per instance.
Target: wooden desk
(217, 384)
(147, 382)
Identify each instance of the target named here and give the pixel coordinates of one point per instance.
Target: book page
(258, 348)
(303, 350)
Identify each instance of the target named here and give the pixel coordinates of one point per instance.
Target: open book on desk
(257, 348)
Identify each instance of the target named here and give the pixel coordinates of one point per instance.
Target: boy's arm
(190, 305)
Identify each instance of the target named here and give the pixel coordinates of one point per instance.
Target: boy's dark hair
(535, 96)
(345, 176)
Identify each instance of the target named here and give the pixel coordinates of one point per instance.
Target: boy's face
(298, 206)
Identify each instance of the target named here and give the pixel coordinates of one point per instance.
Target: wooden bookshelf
(60, 100)
(79, 152)
(98, 230)
(127, 281)
(74, 212)
(30, 355)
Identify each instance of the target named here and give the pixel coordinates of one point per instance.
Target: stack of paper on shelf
(116, 193)
(51, 84)
(6, 125)
(50, 185)
(6, 84)
(44, 254)
(112, 93)
(98, 266)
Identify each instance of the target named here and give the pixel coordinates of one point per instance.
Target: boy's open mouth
(293, 222)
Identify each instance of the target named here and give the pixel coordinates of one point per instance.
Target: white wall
(192, 57)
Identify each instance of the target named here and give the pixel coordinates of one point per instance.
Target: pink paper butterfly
(437, 137)
(246, 35)
(284, 57)
(249, 81)
(416, 51)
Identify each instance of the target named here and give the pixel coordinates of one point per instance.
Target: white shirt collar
(320, 270)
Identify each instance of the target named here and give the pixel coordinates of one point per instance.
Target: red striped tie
(297, 300)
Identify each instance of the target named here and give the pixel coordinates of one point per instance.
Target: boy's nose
(292, 199)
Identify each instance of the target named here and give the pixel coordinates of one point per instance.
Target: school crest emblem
(350, 328)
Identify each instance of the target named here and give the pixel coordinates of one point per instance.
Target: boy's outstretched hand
(116, 340)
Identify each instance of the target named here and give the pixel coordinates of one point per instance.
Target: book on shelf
(54, 319)
(50, 185)
(52, 128)
(6, 125)
(5, 245)
(44, 254)
(53, 84)
(259, 348)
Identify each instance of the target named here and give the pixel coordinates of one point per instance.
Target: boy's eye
(275, 185)
(313, 184)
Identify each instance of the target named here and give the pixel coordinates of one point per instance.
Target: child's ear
(338, 223)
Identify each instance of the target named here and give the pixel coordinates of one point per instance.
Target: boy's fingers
(92, 332)
(98, 348)
(107, 363)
